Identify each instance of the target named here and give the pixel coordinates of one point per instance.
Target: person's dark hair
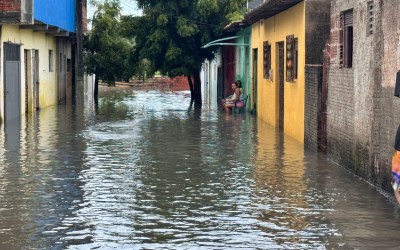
(239, 83)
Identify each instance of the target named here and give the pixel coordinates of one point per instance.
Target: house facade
(211, 75)
(287, 42)
(364, 57)
(41, 45)
(232, 61)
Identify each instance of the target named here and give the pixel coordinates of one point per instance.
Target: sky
(129, 7)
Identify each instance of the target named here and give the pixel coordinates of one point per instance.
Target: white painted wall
(209, 78)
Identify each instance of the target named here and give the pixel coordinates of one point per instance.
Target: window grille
(370, 9)
(346, 39)
(291, 58)
(267, 59)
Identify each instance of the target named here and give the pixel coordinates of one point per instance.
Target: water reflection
(39, 185)
(143, 170)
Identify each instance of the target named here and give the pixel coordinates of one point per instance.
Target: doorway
(254, 91)
(12, 80)
(35, 67)
(280, 88)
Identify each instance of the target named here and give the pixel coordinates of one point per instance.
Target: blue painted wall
(60, 13)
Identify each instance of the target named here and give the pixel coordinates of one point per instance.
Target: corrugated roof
(268, 9)
(255, 3)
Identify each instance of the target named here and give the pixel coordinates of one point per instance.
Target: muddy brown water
(144, 171)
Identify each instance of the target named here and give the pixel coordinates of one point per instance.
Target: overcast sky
(129, 7)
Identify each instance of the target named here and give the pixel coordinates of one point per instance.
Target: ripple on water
(146, 171)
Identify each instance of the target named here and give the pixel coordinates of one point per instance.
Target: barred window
(370, 15)
(346, 39)
(267, 60)
(291, 58)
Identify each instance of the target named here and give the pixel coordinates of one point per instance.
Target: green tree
(171, 33)
(107, 52)
(141, 67)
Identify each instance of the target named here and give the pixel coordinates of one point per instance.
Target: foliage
(171, 33)
(140, 67)
(107, 51)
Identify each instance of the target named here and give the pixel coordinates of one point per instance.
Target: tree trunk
(96, 87)
(190, 85)
(195, 87)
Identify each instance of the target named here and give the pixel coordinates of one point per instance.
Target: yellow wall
(273, 30)
(47, 80)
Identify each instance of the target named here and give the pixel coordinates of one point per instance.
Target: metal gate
(12, 80)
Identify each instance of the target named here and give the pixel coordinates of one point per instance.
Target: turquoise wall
(243, 63)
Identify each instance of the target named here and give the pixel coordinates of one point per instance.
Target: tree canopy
(171, 33)
(107, 52)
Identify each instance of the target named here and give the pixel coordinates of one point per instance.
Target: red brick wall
(178, 83)
(10, 5)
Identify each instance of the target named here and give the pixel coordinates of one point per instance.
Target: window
(291, 58)
(51, 66)
(267, 60)
(346, 39)
(370, 16)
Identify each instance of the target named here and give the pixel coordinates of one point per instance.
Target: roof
(234, 26)
(254, 4)
(268, 9)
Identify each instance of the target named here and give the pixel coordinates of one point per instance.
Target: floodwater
(144, 171)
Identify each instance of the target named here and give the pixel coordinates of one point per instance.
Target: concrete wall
(31, 40)
(317, 35)
(317, 29)
(362, 111)
(312, 107)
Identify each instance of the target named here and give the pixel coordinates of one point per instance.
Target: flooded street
(144, 171)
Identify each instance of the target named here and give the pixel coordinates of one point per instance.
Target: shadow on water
(144, 170)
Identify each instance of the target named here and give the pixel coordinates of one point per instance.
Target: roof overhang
(268, 9)
(220, 42)
(38, 26)
(234, 26)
